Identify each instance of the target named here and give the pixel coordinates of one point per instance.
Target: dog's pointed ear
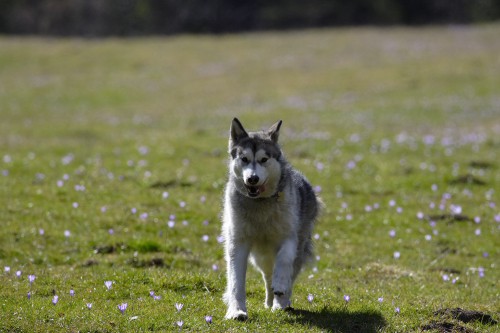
(274, 131)
(237, 132)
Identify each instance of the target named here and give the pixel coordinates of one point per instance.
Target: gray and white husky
(269, 214)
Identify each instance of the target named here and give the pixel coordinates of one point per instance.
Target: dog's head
(255, 160)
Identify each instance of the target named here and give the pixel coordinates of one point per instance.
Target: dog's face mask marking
(255, 170)
(254, 161)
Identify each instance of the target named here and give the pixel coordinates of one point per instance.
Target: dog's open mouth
(255, 191)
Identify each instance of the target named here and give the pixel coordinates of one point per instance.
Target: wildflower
(428, 237)
(392, 233)
(179, 306)
(397, 310)
(347, 298)
(55, 299)
(171, 224)
(455, 209)
(156, 297)
(420, 215)
(477, 219)
(152, 293)
(380, 299)
(89, 306)
(75, 204)
(6, 269)
(133, 210)
(182, 204)
(477, 232)
(122, 307)
(164, 195)
(18, 273)
(220, 239)
(71, 292)
(111, 232)
(215, 267)
(143, 216)
(31, 278)
(104, 209)
(310, 298)
(397, 255)
(41, 232)
(108, 284)
(67, 233)
(205, 238)
(203, 199)
(208, 319)
(180, 323)
(29, 295)
(480, 271)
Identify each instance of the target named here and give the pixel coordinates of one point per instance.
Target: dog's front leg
(282, 275)
(235, 297)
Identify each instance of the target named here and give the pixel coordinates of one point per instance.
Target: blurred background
(94, 18)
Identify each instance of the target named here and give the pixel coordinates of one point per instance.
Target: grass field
(113, 162)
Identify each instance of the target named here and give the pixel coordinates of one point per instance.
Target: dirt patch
(467, 316)
(445, 327)
(143, 263)
(170, 183)
(467, 179)
(449, 218)
(481, 165)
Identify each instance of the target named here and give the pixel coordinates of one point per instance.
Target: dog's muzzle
(255, 191)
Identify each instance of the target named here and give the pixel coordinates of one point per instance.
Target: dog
(268, 216)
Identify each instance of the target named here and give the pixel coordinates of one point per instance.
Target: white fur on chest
(265, 223)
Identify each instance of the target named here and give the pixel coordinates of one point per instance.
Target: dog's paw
(236, 315)
(281, 302)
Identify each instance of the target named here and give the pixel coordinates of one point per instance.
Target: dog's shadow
(339, 320)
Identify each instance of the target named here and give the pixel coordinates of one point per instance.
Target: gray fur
(269, 214)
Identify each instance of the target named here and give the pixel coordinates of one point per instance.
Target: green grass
(370, 115)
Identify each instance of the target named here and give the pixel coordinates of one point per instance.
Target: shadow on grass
(340, 320)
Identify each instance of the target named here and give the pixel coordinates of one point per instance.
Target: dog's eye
(264, 160)
(244, 159)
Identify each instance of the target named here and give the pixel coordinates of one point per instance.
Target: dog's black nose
(253, 180)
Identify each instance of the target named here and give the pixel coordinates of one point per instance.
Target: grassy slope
(370, 115)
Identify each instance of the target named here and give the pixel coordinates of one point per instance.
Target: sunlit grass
(113, 161)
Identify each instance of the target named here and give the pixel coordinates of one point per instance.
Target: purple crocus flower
(179, 306)
(71, 292)
(310, 298)
(31, 278)
(122, 307)
(108, 284)
(89, 306)
(208, 319)
(347, 298)
(55, 299)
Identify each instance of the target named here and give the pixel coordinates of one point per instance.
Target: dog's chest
(264, 223)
